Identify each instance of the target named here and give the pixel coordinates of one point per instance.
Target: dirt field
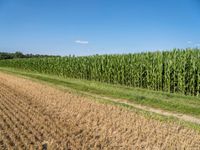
(34, 115)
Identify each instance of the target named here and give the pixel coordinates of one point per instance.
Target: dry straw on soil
(35, 115)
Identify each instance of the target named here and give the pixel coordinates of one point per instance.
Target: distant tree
(4, 55)
(19, 55)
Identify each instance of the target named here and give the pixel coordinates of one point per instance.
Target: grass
(171, 102)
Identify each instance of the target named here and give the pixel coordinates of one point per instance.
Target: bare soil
(36, 116)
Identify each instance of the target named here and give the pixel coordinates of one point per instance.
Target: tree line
(18, 54)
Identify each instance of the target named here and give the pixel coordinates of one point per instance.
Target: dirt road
(34, 115)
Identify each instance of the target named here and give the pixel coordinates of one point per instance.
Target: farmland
(176, 71)
(35, 114)
(129, 101)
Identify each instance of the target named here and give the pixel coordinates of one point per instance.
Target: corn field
(176, 71)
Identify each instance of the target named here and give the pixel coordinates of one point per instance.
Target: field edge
(151, 115)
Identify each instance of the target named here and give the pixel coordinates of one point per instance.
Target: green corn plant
(176, 71)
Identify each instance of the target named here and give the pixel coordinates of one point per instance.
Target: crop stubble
(33, 114)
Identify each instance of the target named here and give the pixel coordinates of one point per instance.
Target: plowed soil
(36, 116)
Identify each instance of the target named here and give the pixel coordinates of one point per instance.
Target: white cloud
(189, 42)
(81, 42)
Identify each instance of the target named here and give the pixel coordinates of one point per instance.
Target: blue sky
(86, 27)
